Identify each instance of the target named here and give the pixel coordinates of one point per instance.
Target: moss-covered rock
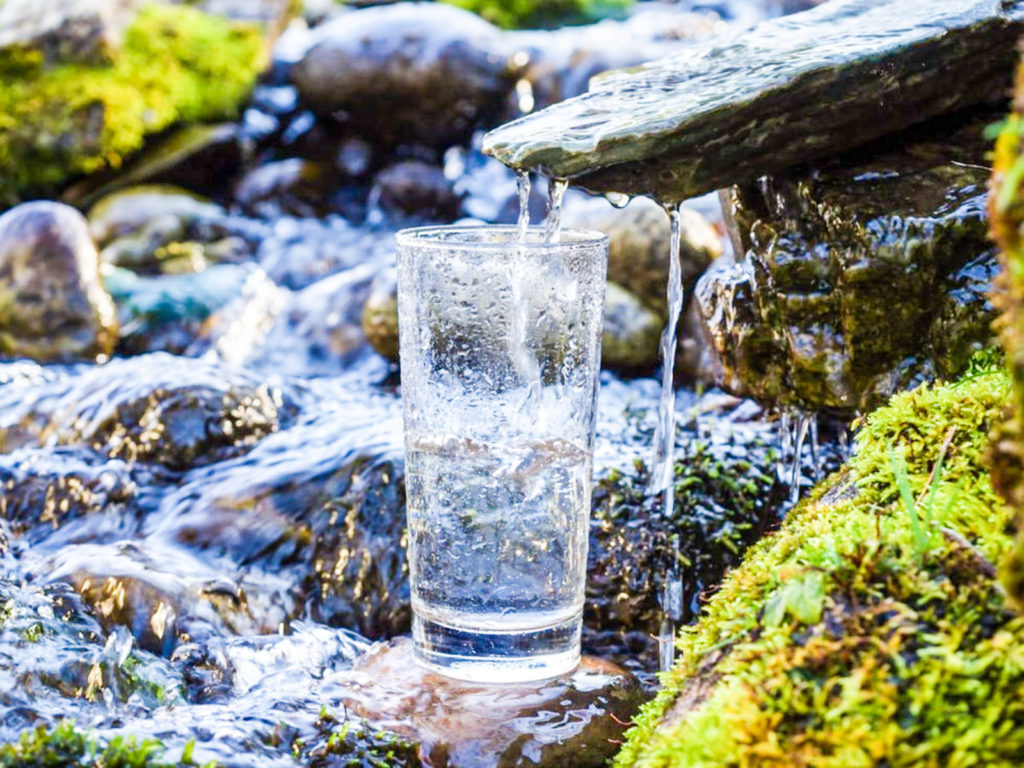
(871, 628)
(1006, 210)
(64, 745)
(174, 64)
(723, 501)
(514, 14)
(861, 276)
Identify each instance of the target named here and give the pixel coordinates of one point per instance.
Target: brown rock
(572, 721)
(53, 306)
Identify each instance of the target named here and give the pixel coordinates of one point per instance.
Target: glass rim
(440, 236)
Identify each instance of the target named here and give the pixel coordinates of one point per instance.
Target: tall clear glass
(500, 345)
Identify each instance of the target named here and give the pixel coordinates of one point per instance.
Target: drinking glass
(500, 345)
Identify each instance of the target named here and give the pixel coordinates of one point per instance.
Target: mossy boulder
(543, 13)
(61, 117)
(157, 410)
(858, 277)
(871, 628)
(1006, 208)
(65, 745)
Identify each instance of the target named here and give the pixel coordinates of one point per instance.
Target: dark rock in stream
(787, 92)
(420, 73)
(53, 306)
(328, 525)
(54, 653)
(156, 229)
(148, 593)
(174, 411)
(43, 490)
(572, 721)
(861, 276)
(292, 187)
(198, 157)
(418, 190)
(724, 501)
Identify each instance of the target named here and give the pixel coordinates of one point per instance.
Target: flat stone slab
(576, 720)
(785, 92)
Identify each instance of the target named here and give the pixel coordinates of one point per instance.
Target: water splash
(553, 221)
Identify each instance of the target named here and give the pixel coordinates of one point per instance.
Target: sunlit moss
(542, 13)
(65, 746)
(176, 64)
(871, 628)
(1006, 213)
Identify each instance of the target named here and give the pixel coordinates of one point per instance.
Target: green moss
(513, 14)
(847, 639)
(345, 743)
(65, 746)
(176, 65)
(1006, 213)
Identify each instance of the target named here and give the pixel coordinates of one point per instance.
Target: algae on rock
(871, 628)
(1006, 211)
(541, 13)
(860, 276)
(61, 119)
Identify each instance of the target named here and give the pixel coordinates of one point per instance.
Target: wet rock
(380, 315)
(723, 503)
(173, 411)
(327, 524)
(72, 31)
(162, 598)
(790, 91)
(630, 332)
(436, 71)
(156, 229)
(55, 652)
(418, 190)
(198, 157)
(169, 312)
(54, 307)
(575, 720)
(293, 187)
(861, 276)
(639, 242)
(86, 495)
(130, 211)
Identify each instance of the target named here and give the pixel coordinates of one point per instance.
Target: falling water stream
(663, 463)
(553, 220)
